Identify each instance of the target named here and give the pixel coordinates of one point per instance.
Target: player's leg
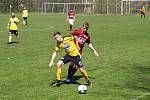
(84, 73)
(17, 36)
(62, 61)
(23, 21)
(58, 73)
(144, 15)
(58, 69)
(70, 27)
(10, 33)
(26, 22)
(70, 24)
(79, 63)
(71, 71)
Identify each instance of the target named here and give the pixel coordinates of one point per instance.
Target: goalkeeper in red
(81, 37)
(72, 55)
(71, 18)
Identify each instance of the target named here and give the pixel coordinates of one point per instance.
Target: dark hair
(57, 33)
(86, 25)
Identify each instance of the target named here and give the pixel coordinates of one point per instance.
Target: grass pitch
(122, 72)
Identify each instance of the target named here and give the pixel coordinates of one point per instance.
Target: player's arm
(8, 25)
(91, 46)
(22, 13)
(76, 42)
(74, 35)
(94, 50)
(27, 12)
(53, 56)
(74, 17)
(67, 17)
(52, 59)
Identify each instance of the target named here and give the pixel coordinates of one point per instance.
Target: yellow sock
(58, 72)
(10, 38)
(24, 22)
(84, 73)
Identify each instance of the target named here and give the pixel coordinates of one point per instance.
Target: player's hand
(78, 48)
(7, 27)
(66, 20)
(96, 54)
(51, 64)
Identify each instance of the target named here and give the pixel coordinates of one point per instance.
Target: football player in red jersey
(71, 18)
(81, 37)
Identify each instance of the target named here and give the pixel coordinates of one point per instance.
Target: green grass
(121, 73)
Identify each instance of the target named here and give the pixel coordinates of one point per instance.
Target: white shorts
(71, 21)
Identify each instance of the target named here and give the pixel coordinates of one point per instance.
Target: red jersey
(83, 37)
(71, 15)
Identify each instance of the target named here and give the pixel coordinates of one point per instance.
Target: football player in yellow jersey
(13, 28)
(72, 55)
(25, 16)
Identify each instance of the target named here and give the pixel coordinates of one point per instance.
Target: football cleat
(89, 83)
(69, 80)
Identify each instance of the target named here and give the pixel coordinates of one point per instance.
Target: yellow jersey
(13, 22)
(68, 45)
(143, 10)
(25, 13)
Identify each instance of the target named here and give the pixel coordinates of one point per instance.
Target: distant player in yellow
(25, 16)
(13, 28)
(143, 12)
(72, 55)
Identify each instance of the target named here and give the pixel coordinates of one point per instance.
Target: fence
(107, 7)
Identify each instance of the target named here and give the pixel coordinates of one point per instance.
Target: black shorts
(76, 59)
(15, 32)
(25, 18)
(142, 13)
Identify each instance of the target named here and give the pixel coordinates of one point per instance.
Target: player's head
(13, 15)
(143, 7)
(85, 26)
(58, 37)
(24, 7)
(71, 10)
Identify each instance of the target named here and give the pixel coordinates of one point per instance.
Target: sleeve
(74, 14)
(56, 48)
(9, 21)
(70, 38)
(88, 40)
(74, 33)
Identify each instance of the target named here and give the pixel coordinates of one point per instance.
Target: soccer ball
(82, 89)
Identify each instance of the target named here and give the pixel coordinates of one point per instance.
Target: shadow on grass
(75, 80)
(12, 42)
